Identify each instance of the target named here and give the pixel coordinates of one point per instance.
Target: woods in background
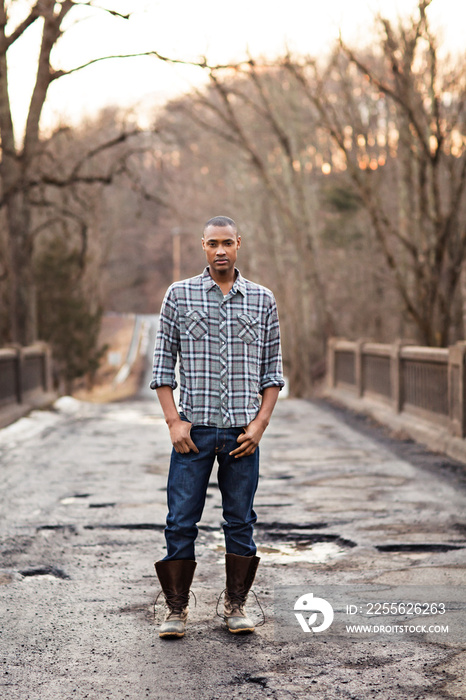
(346, 177)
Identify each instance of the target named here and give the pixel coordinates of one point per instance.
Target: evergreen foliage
(67, 318)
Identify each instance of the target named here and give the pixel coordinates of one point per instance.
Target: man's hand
(250, 439)
(180, 435)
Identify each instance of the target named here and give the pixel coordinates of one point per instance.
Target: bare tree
(397, 122)
(24, 170)
(76, 230)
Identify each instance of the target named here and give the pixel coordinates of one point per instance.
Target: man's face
(221, 244)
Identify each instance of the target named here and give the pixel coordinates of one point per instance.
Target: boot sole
(171, 635)
(246, 630)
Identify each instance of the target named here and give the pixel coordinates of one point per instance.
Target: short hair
(222, 221)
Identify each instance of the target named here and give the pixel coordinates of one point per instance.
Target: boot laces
(238, 602)
(176, 603)
(173, 614)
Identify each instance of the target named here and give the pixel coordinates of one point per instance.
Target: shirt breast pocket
(197, 325)
(247, 328)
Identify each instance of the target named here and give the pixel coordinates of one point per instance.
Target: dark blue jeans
(188, 479)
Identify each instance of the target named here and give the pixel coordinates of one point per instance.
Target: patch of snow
(28, 427)
(68, 404)
(318, 553)
(38, 421)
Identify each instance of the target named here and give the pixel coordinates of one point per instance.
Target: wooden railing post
(46, 367)
(358, 368)
(396, 373)
(396, 376)
(331, 370)
(28, 381)
(457, 388)
(19, 372)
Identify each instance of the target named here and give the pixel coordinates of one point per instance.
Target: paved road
(340, 513)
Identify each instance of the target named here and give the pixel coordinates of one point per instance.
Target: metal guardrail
(427, 382)
(25, 374)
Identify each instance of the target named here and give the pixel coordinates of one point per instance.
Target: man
(224, 331)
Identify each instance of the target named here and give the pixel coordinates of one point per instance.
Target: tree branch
(60, 219)
(121, 138)
(196, 64)
(103, 9)
(20, 29)
(381, 222)
(383, 87)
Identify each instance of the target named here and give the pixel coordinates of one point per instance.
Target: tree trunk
(22, 306)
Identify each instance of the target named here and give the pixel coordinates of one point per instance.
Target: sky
(189, 29)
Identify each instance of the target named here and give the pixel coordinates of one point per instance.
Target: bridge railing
(427, 382)
(25, 374)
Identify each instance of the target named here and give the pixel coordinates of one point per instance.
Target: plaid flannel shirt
(228, 349)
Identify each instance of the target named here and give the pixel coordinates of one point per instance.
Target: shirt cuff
(156, 383)
(272, 381)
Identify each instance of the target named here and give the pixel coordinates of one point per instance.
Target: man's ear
(239, 241)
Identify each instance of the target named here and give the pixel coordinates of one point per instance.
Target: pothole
(249, 678)
(140, 609)
(273, 505)
(300, 534)
(417, 547)
(317, 553)
(142, 526)
(275, 525)
(70, 529)
(296, 542)
(301, 539)
(71, 499)
(126, 526)
(283, 543)
(48, 571)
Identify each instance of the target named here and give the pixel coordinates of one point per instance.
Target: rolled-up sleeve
(271, 365)
(166, 344)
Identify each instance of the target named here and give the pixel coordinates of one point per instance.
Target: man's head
(221, 243)
(221, 221)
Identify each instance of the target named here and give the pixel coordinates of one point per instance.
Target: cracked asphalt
(340, 504)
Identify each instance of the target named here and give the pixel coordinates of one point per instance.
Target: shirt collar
(239, 284)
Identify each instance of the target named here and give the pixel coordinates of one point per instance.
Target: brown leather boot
(175, 577)
(240, 576)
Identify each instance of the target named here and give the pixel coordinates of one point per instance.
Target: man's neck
(225, 282)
